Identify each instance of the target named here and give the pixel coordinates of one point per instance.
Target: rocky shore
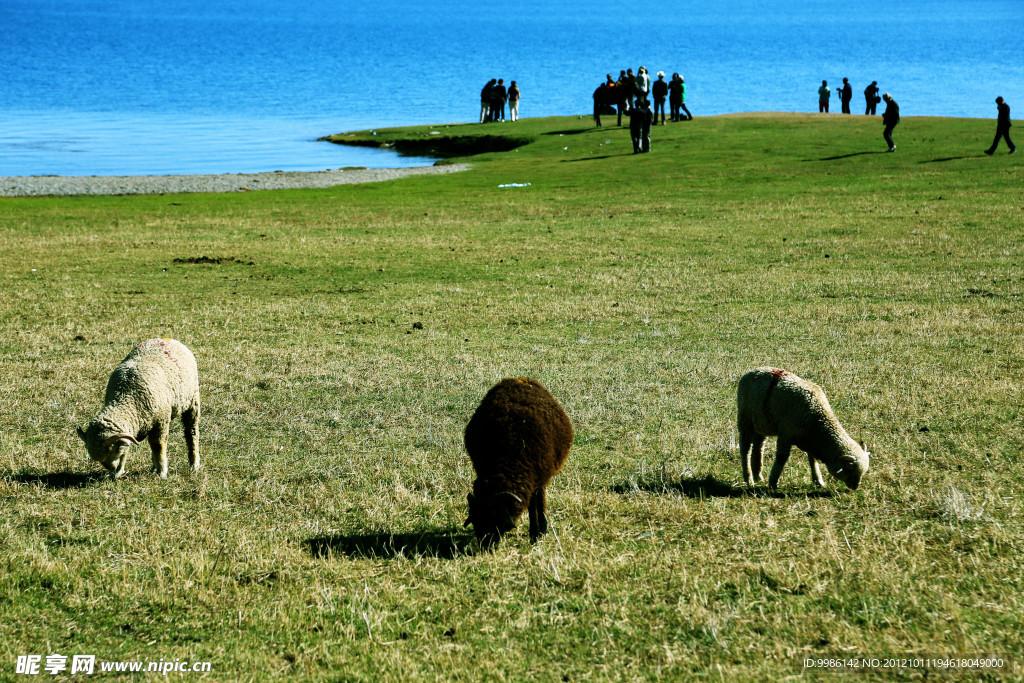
(39, 186)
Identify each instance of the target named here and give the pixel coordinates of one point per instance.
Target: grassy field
(345, 336)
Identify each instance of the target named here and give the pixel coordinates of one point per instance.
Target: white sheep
(773, 402)
(155, 383)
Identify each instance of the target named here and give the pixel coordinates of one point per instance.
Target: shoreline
(69, 186)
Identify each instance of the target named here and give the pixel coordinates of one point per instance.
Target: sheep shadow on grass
(444, 545)
(712, 487)
(58, 480)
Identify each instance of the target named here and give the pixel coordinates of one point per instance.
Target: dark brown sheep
(518, 438)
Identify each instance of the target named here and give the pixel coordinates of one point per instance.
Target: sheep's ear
(81, 433)
(864, 447)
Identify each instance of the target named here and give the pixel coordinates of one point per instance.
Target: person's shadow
(847, 156)
(442, 544)
(712, 487)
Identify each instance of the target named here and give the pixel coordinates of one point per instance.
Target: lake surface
(125, 87)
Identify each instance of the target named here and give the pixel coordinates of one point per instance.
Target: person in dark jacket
(499, 95)
(600, 97)
(890, 117)
(623, 91)
(646, 119)
(871, 98)
(1002, 128)
(640, 118)
(485, 101)
(845, 95)
(675, 96)
(513, 101)
(660, 92)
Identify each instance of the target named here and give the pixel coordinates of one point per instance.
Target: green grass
(323, 537)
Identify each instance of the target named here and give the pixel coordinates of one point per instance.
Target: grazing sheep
(773, 402)
(518, 438)
(154, 384)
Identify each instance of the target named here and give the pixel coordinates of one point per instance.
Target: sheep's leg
(745, 445)
(756, 450)
(815, 471)
(781, 456)
(158, 444)
(538, 520)
(190, 419)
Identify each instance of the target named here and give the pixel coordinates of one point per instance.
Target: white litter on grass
(515, 185)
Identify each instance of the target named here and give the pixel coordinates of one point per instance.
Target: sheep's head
(852, 466)
(109, 450)
(493, 516)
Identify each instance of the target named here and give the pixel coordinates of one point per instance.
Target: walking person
(890, 117)
(682, 98)
(675, 96)
(823, 96)
(1002, 128)
(600, 97)
(871, 98)
(660, 92)
(513, 101)
(845, 95)
(636, 127)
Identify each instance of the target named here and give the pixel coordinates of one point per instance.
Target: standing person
(646, 119)
(623, 91)
(636, 127)
(1002, 128)
(845, 95)
(600, 97)
(660, 92)
(498, 97)
(675, 95)
(513, 101)
(641, 84)
(485, 101)
(890, 117)
(871, 98)
(682, 100)
(823, 96)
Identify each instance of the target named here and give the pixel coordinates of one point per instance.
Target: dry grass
(324, 538)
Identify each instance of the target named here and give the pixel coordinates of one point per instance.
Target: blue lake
(111, 87)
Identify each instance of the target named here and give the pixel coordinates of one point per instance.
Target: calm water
(106, 87)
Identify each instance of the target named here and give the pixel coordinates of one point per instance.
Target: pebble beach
(41, 186)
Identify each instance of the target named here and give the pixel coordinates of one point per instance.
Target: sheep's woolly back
(518, 438)
(158, 378)
(776, 402)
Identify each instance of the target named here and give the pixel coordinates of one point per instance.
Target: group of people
(890, 117)
(629, 91)
(871, 98)
(630, 95)
(493, 99)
